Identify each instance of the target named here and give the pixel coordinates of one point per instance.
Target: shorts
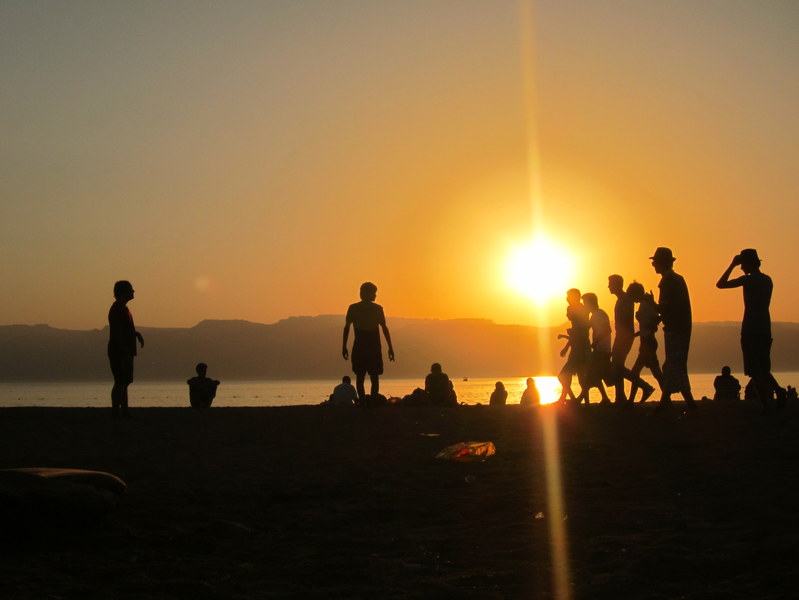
(675, 368)
(122, 368)
(367, 355)
(599, 369)
(577, 362)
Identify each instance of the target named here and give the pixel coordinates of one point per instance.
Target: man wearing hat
(674, 305)
(756, 326)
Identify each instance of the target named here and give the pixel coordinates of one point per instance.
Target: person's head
(726, 371)
(615, 284)
(636, 291)
(499, 386)
(435, 368)
(201, 369)
(530, 382)
(750, 261)
(662, 260)
(573, 296)
(346, 379)
(590, 300)
(123, 290)
(368, 291)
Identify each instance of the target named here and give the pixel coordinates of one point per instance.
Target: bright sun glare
(539, 270)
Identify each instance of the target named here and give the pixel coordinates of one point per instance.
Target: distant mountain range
(310, 348)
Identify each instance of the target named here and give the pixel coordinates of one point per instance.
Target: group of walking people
(597, 361)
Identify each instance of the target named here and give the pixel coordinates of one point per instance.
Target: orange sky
(254, 160)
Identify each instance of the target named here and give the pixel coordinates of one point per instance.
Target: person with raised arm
(756, 325)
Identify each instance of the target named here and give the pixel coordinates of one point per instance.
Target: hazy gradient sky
(257, 160)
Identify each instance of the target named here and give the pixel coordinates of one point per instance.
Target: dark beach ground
(314, 502)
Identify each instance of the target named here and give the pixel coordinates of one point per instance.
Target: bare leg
(565, 379)
(359, 380)
(375, 384)
(119, 399)
(603, 393)
(635, 373)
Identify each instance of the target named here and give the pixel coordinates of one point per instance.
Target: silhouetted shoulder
(365, 315)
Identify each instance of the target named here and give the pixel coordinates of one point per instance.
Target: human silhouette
(624, 321)
(648, 320)
(367, 319)
(530, 395)
(578, 345)
(727, 387)
(756, 325)
(202, 389)
(122, 347)
(439, 388)
(674, 305)
(599, 367)
(344, 394)
(499, 396)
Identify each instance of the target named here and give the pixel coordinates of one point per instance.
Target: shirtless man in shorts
(367, 319)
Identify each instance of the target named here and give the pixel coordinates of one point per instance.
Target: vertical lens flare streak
(557, 532)
(556, 507)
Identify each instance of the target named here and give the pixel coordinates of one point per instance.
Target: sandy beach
(316, 502)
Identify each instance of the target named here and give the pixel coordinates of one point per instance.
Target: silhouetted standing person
(122, 347)
(599, 367)
(674, 305)
(367, 319)
(625, 328)
(648, 321)
(624, 321)
(756, 325)
(578, 346)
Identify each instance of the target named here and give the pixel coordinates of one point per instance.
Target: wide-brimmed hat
(749, 255)
(663, 254)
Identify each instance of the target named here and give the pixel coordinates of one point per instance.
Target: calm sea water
(290, 393)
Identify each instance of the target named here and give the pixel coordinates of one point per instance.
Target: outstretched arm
(724, 281)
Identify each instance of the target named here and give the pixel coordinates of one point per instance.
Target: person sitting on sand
(439, 388)
(530, 395)
(499, 396)
(344, 394)
(791, 394)
(727, 387)
(202, 389)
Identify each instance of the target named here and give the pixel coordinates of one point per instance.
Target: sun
(540, 270)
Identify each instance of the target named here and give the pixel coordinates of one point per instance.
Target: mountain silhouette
(310, 348)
